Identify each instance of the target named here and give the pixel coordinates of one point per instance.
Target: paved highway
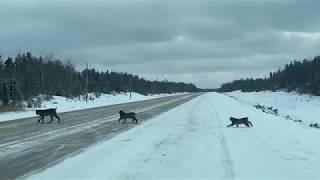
(27, 147)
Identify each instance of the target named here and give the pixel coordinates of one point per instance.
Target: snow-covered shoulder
(304, 108)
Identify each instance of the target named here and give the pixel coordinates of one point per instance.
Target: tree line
(24, 77)
(301, 76)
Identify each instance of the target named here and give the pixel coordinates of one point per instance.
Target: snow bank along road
(192, 142)
(27, 147)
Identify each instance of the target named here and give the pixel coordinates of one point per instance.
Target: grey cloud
(205, 42)
(294, 15)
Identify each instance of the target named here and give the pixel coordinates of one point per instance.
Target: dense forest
(301, 76)
(24, 77)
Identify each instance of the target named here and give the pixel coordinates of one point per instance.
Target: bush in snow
(315, 125)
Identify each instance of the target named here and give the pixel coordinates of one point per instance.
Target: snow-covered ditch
(290, 106)
(64, 104)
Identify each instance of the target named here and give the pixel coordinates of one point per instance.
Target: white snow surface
(192, 141)
(65, 105)
(298, 107)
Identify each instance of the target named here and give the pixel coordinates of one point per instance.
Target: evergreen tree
(302, 76)
(26, 76)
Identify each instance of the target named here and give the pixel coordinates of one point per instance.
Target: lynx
(236, 121)
(47, 112)
(130, 115)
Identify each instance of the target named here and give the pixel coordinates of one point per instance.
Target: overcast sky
(203, 42)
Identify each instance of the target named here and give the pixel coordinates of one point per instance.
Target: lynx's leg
(56, 115)
(42, 119)
(51, 118)
(135, 119)
(232, 124)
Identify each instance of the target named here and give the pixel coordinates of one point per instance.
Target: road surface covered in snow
(27, 146)
(192, 141)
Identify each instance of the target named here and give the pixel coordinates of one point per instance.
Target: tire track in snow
(226, 160)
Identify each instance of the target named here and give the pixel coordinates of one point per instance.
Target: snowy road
(27, 147)
(192, 142)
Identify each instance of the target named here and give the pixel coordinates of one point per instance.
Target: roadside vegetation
(32, 79)
(301, 76)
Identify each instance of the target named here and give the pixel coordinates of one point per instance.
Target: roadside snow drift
(192, 142)
(292, 105)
